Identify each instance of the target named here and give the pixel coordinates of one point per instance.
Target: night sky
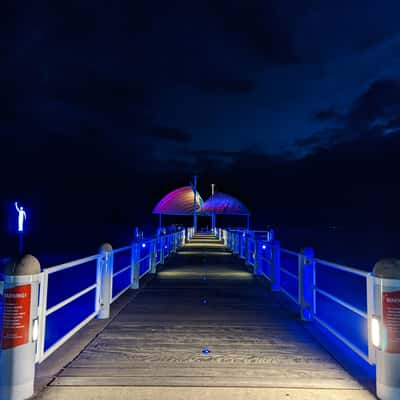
(293, 106)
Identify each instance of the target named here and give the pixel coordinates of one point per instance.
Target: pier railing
(74, 293)
(336, 297)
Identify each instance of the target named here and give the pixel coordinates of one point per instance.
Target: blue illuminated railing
(336, 297)
(69, 294)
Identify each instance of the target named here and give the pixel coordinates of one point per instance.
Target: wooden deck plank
(157, 340)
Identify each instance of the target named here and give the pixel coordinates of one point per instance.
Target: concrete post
(275, 265)
(386, 328)
(307, 284)
(105, 267)
(135, 265)
(20, 328)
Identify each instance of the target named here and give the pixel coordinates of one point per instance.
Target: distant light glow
(165, 247)
(143, 245)
(375, 332)
(21, 217)
(264, 247)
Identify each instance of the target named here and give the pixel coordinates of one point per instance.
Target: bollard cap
(388, 268)
(26, 265)
(308, 252)
(106, 248)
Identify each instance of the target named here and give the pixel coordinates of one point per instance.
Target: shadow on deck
(204, 298)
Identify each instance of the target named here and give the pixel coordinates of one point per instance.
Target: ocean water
(359, 248)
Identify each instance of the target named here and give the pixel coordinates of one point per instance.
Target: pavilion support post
(213, 222)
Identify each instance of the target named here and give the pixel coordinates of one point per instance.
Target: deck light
(375, 332)
(35, 329)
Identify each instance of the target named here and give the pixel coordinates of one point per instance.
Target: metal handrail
(289, 274)
(355, 310)
(235, 243)
(293, 253)
(340, 267)
(71, 264)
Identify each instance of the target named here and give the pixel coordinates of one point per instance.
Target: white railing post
(247, 253)
(20, 327)
(371, 307)
(257, 264)
(306, 271)
(44, 281)
(105, 266)
(275, 265)
(135, 265)
(162, 250)
(153, 256)
(385, 327)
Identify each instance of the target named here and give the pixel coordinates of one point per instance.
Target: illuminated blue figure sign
(21, 217)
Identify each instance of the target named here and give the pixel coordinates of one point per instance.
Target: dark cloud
(256, 26)
(378, 105)
(227, 86)
(310, 141)
(374, 113)
(329, 115)
(171, 134)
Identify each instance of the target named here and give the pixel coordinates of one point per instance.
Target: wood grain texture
(205, 298)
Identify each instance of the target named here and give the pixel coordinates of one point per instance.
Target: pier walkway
(204, 328)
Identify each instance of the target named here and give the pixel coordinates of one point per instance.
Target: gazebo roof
(178, 202)
(222, 203)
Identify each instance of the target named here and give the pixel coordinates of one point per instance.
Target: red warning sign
(16, 316)
(391, 320)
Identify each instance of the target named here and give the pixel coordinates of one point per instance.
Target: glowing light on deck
(375, 332)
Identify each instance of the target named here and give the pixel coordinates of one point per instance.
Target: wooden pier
(204, 328)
